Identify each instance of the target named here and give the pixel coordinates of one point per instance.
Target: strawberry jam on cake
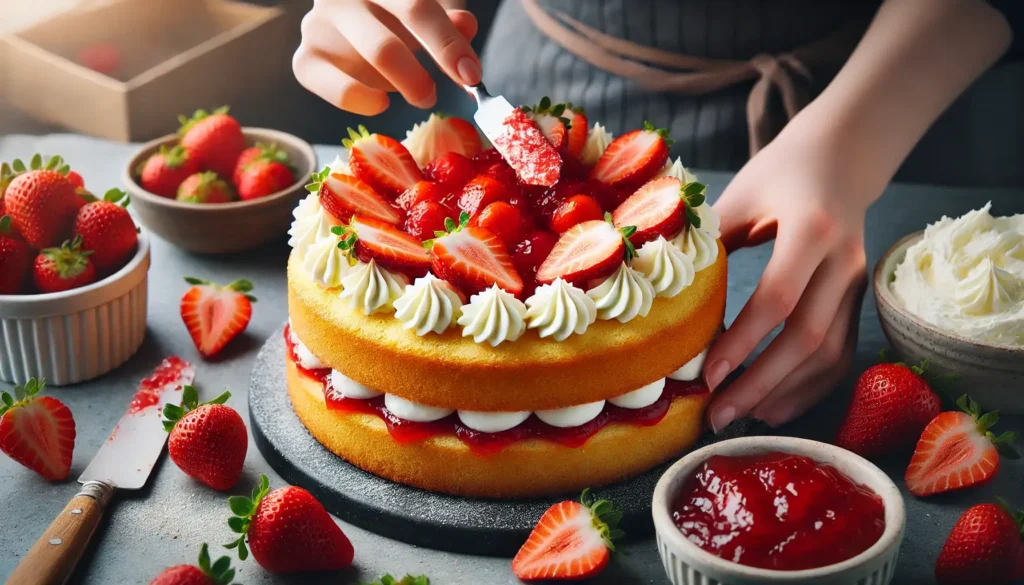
(467, 328)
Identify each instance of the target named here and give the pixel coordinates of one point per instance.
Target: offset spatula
(122, 463)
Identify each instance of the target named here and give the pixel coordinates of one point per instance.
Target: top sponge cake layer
(452, 371)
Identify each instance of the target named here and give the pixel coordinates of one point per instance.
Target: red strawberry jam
(405, 431)
(778, 511)
(172, 370)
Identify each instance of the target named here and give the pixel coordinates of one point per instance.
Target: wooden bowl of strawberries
(73, 276)
(216, 187)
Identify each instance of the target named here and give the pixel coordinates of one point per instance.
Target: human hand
(355, 52)
(802, 192)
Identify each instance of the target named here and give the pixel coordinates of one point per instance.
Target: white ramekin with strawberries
(73, 276)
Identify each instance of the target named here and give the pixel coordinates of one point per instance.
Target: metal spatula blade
(491, 111)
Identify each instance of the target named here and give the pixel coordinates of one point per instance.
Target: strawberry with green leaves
(985, 547)
(588, 251)
(206, 187)
(633, 158)
(15, 259)
(37, 431)
(217, 573)
(372, 239)
(472, 258)
(662, 207)
(214, 314)
(108, 231)
(287, 530)
(551, 120)
(344, 196)
(166, 170)
(207, 440)
(63, 268)
(262, 170)
(213, 140)
(381, 161)
(41, 201)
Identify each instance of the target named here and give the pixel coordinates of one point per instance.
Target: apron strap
(787, 73)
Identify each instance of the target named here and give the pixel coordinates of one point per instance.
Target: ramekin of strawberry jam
(777, 510)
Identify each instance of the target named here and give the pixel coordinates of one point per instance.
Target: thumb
(736, 219)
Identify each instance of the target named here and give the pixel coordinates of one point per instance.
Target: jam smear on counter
(405, 431)
(777, 511)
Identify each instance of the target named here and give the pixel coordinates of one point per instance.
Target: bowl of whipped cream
(954, 295)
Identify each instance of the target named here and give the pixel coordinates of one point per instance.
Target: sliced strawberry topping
(502, 220)
(472, 259)
(957, 450)
(439, 193)
(344, 196)
(572, 540)
(451, 168)
(551, 121)
(574, 210)
(578, 130)
(381, 161)
(425, 218)
(633, 158)
(588, 251)
(214, 315)
(391, 248)
(481, 192)
(527, 151)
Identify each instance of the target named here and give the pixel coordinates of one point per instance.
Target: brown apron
(655, 70)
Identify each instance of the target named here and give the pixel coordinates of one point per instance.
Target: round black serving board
(408, 514)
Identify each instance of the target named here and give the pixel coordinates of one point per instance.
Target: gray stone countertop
(165, 523)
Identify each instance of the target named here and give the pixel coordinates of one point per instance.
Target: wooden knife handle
(54, 556)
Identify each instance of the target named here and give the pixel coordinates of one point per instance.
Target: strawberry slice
(344, 196)
(633, 158)
(440, 135)
(372, 239)
(472, 259)
(381, 161)
(957, 450)
(552, 122)
(587, 251)
(214, 315)
(527, 151)
(578, 130)
(660, 208)
(572, 540)
(37, 431)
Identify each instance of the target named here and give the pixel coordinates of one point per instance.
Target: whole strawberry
(892, 404)
(219, 573)
(205, 187)
(213, 140)
(15, 259)
(288, 531)
(106, 228)
(42, 203)
(37, 431)
(986, 547)
(261, 171)
(166, 170)
(63, 268)
(207, 441)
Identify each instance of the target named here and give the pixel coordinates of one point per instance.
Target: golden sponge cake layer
(527, 468)
(452, 371)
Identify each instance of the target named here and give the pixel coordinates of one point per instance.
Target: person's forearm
(914, 60)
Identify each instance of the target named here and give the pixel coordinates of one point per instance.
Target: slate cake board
(408, 514)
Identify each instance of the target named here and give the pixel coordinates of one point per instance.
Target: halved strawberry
(633, 158)
(451, 168)
(577, 131)
(425, 218)
(381, 161)
(392, 248)
(503, 220)
(527, 151)
(957, 450)
(551, 121)
(481, 192)
(37, 431)
(660, 208)
(344, 196)
(439, 193)
(441, 134)
(214, 315)
(472, 259)
(572, 540)
(588, 251)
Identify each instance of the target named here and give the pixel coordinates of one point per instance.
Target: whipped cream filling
(492, 422)
(349, 388)
(598, 139)
(414, 411)
(428, 304)
(668, 268)
(692, 369)
(641, 397)
(493, 316)
(560, 309)
(305, 357)
(372, 289)
(966, 276)
(623, 296)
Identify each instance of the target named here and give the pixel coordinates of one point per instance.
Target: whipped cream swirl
(428, 304)
(966, 276)
(371, 288)
(560, 309)
(623, 296)
(597, 142)
(667, 268)
(326, 263)
(493, 316)
(698, 245)
(312, 223)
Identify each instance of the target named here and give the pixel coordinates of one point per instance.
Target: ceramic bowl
(688, 564)
(993, 374)
(72, 336)
(222, 228)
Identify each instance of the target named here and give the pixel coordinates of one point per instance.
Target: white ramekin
(688, 564)
(75, 335)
